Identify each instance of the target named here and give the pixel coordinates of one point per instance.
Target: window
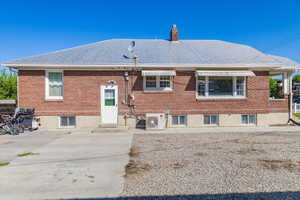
(150, 81)
(211, 119)
(240, 86)
(179, 119)
(67, 122)
(220, 86)
(157, 83)
(54, 85)
(165, 82)
(248, 119)
(109, 97)
(201, 86)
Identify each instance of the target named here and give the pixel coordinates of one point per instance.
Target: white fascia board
(144, 66)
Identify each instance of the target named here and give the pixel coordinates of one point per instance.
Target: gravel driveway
(215, 166)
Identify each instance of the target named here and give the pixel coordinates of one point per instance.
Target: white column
(286, 83)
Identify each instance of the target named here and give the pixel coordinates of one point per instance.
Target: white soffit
(158, 73)
(224, 73)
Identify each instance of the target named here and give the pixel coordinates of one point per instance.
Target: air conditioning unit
(155, 121)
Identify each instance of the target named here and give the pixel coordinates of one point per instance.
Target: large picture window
(54, 85)
(220, 86)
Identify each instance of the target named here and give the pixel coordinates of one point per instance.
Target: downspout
(126, 80)
(290, 96)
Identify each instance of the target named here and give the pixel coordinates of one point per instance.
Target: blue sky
(32, 27)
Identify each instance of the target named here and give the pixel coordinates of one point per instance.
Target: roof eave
(142, 66)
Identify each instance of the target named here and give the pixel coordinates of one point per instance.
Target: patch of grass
(3, 164)
(297, 115)
(27, 154)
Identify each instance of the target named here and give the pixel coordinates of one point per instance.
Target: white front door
(109, 104)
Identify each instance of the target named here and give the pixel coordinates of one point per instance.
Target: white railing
(296, 107)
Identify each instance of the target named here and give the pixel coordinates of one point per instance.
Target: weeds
(244, 151)
(27, 154)
(134, 167)
(280, 164)
(2, 164)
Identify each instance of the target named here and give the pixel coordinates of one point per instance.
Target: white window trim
(249, 124)
(59, 122)
(158, 88)
(234, 96)
(47, 97)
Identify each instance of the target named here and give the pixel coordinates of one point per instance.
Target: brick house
(195, 83)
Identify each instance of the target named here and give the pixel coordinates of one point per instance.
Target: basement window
(248, 119)
(211, 119)
(179, 119)
(67, 122)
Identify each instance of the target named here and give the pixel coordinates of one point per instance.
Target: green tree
(275, 90)
(296, 79)
(8, 85)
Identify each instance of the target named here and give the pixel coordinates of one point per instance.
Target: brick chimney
(174, 33)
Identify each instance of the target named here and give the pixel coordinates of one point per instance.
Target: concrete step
(110, 130)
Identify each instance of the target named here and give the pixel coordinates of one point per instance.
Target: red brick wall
(82, 95)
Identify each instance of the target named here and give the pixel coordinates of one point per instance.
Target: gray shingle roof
(155, 52)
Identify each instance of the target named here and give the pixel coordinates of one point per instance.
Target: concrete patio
(77, 165)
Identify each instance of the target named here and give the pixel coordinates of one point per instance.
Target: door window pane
(109, 97)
